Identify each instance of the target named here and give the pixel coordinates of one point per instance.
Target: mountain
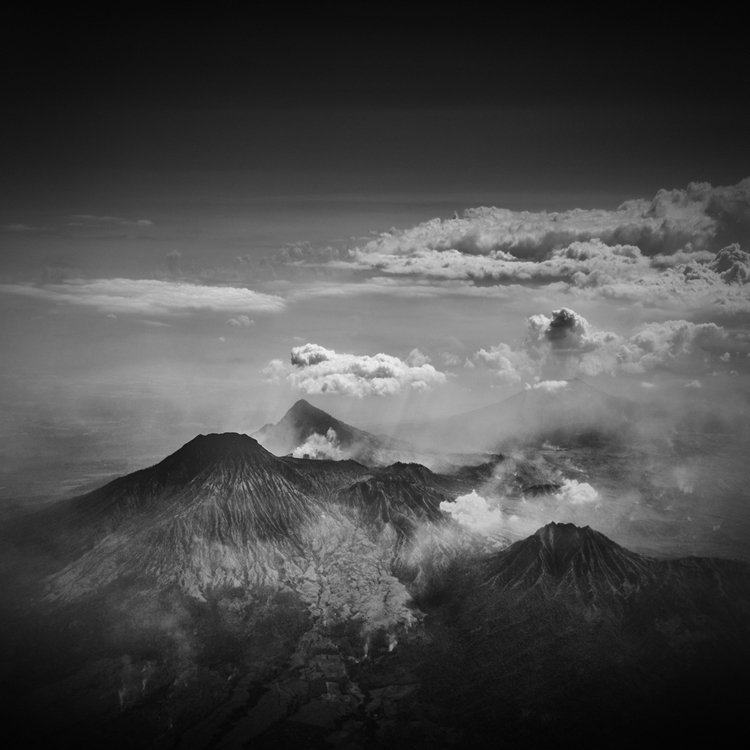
(331, 438)
(308, 432)
(564, 555)
(227, 596)
(566, 633)
(401, 494)
(568, 412)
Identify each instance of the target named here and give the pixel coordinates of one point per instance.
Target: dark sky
(381, 102)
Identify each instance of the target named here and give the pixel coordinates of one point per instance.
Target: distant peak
(301, 404)
(302, 407)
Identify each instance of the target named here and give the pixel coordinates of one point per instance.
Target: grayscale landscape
(374, 383)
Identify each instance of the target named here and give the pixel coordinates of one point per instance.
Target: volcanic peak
(204, 450)
(560, 551)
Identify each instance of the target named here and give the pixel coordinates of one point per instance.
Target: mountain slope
(562, 554)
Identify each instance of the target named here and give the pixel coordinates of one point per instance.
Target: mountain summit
(563, 554)
(307, 430)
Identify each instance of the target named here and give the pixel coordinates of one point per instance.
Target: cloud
(320, 447)
(507, 365)
(732, 265)
(319, 370)
(701, 217)
(472, 511)
(550, 386)
(566, 345)
(23, 228)
(683, 247)
(587, 263)
(150, 297)
(416, 358)
(677, 345)
(241, 321)
(576, 493)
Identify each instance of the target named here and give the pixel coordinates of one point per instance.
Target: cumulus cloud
(555, 348)
(417, 358)
(566, 345)
(473, 512)
(507, 365)
(319, 370)
(150, 297)
(320, 447)
(673, 345)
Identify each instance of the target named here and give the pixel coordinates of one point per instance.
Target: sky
(203, 220)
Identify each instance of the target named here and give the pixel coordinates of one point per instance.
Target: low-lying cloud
(316, 370)
(473, 512)
(149, 296)
(320, 447)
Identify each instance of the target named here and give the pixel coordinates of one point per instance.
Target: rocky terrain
(228, 597)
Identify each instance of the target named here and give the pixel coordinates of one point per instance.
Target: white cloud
(319, 370)
(674, 345)
(150, 297)
(274, 372)
(473, 512)
(550, 386)
(320, 447)
(576, 493)
(683, 248)
(416, 358)
(508, 366)
(699, 216)
(565, 345)
(241, 321)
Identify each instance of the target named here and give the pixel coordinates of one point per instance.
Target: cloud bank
(566, 345)
(150, 297)
(687, 246)
(317, 370)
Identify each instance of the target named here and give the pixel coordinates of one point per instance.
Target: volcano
(214, 512)
(310, 432)
(562, 554)
(228, 596)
